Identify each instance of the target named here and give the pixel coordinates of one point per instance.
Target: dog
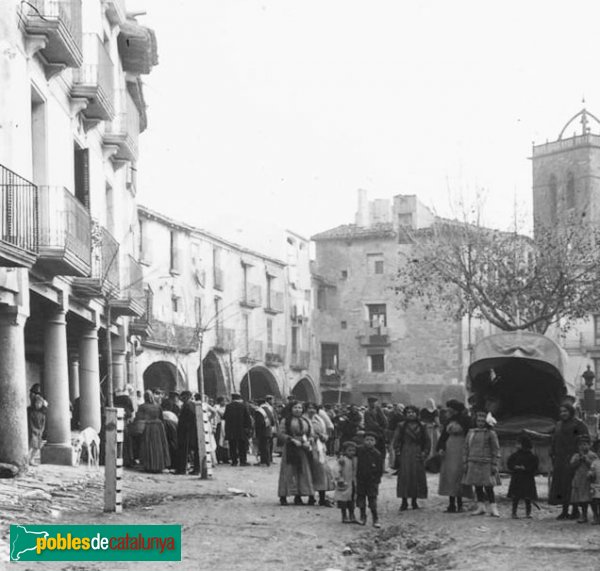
(88, 438)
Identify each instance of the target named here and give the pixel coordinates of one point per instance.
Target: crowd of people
(346, 449)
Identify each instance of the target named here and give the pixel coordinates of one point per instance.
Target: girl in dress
(581, 489)
(345, 482)
(411, 445)
(481, 458)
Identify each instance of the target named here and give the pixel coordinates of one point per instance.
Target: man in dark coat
(238, 423)
(369, 470)
(376, 422)
(187, 435)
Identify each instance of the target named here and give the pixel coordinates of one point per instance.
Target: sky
(274, 112)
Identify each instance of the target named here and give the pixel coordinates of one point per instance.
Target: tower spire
(584, 120)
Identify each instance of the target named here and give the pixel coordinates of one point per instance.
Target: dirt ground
(224, 531)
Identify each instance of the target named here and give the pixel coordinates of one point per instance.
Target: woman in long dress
(411, 445)
(430, 417)
(321, 473)
(450, 447)
(154, 449)
(295, 474)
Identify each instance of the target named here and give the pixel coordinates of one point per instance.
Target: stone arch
(259, 382)
(163, 375)
(214, 378)
(304, 390)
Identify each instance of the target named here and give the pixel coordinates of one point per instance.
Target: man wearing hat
(238, 424)
(376, 422)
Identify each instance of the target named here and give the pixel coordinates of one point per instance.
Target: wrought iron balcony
(131, 300)
(104, 278)
(18, 220)
(225, 339)
(115, 11)
(59, 22)
(275, 355)
(252, 296)
(253, 352)
(300, 361)
(170, 337)
(94, 80)
(65, 233)
(218, 279)
(374, 336)
(142, 325)
(274, 302)
(124, 130)
(332, 378)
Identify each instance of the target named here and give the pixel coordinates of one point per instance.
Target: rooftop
(354, 232)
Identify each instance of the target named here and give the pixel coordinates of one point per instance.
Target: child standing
(523, 464)
(581, 462)
(481, 457)
(595, 490)
(36, 423)
(368, 476)
(345, 481)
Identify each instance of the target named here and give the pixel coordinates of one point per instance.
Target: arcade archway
(304, 391)
(214, 379)
(259, 382)
(163, 375)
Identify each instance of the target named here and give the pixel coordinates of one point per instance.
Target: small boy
(345, 481)
(368, 476)
(523, 464)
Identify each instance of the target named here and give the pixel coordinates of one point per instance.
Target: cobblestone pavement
(224, 529)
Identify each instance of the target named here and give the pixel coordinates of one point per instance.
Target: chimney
(362, 214)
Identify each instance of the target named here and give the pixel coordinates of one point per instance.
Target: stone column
(74, 377)
(14, 444)
(58, 449)
(118, 365)
(89, 380)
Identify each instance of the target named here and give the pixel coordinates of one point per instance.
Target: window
(322, 298)
(269, 290)
(344, 274)
(377, 315)
(553, 199)
(329, 356)
(269, 336)
(198, 310)
(377, 363)
(39, 144)
(344, 325)
(294, 340)
(405, 219)
(246, 319)
(82, 176)
(175, 304)
(596, 329)
(175, 258)
(570, 199)
(375, 263)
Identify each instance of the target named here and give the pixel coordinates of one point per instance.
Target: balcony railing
(218, 278)
(252, 352)
(60, 22)
(300, 360)
(104, 278)
(252, 296)
(332, 378)
(142, 325)
(124, 130)
(65, 233)
(94, 80)
(225, 339)
(377, 336)
(18, 220)
(274, 302)
(275, 354)
(131, 299)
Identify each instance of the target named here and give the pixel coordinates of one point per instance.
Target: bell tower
(566, 175)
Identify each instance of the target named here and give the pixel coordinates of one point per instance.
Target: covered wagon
(519, 378)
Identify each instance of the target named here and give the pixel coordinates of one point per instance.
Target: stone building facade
(71, 111)
(566, 190)
(369, 345)
(241, 313)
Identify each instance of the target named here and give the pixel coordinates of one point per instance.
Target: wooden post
(204, 448)
(113, 459)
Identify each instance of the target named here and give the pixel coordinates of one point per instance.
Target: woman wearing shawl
(154, 449)
(411, 445)
(321, 474)
(295, 475)
(430, 417)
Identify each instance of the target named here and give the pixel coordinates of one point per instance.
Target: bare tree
(513, 281)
